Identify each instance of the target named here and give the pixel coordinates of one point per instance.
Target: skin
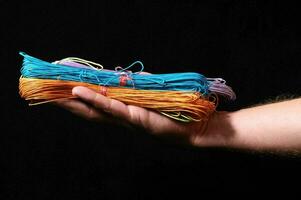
(270, 127)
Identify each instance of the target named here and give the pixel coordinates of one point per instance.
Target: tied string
(124, 76)
(103, 90)
(75, 69)
(123, 80)
(123, 73)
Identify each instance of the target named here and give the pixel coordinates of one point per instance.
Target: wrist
(218, 131)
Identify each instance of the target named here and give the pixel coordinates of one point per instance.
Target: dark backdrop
(47, 153)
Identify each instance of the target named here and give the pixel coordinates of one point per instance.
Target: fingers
(82, 109)
(111, 106)
(120, 112)
(150, 120)
(94, 106)
(132, 114)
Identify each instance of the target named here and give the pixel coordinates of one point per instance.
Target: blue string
(35, 68)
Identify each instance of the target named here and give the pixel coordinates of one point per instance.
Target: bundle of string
(80, 70)
(182, 96)
(183, 106)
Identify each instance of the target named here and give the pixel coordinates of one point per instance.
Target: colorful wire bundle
(184, 106)
(182, 96)
(36, 68)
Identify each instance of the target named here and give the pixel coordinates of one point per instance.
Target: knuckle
(108, 107)
(91, 114)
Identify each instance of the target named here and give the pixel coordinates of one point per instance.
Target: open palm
(94, 106)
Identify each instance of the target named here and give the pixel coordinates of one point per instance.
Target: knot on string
(103, 90)
(124, 76)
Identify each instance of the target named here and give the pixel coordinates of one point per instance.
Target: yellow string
(82, 61)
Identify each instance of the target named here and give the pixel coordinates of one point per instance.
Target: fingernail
(75, 91)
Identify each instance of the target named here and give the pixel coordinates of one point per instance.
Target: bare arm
(271, 127)
(275, 127)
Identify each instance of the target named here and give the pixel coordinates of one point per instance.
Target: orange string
(176, 104)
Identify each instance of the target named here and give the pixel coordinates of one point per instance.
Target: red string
(103, 90)
(123, 79)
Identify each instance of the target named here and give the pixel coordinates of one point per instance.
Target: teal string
(35, 68)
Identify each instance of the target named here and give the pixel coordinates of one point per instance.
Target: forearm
(275, 126)
(270, 127)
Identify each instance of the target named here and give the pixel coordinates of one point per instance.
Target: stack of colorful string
(182, 96)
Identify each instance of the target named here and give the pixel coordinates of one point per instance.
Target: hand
(270, 127)
(96, 107)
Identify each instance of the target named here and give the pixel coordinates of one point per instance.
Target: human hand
(271, 127)
(96, 107)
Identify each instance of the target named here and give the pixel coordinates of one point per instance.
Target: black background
(47, 153)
